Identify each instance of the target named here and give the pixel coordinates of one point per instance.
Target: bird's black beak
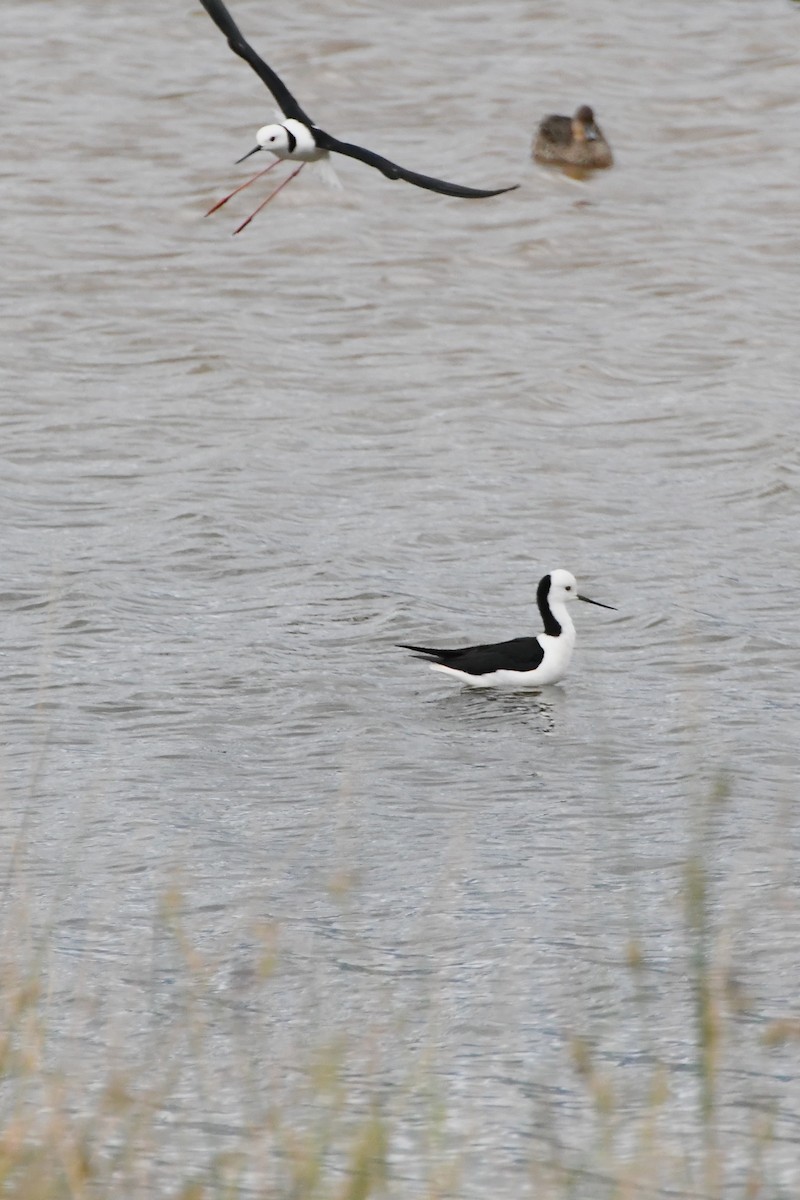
(599, 603)
(255, 150)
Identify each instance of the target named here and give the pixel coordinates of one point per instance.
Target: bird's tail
(327, 173)
(424, 652)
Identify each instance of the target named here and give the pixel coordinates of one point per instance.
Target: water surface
(238, 470)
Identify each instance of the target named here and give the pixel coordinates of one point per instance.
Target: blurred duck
(573, 142)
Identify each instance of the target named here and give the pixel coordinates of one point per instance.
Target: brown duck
(573, 142)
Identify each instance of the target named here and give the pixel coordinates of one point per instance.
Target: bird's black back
(518, 654)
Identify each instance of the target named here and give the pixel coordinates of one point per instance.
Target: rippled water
(237, 471)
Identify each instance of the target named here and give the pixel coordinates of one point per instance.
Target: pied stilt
(525, 661)
(300, 140)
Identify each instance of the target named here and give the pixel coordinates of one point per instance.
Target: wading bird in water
(524, 662)
(299, 140)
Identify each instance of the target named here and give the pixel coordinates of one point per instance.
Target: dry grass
(113, 1128)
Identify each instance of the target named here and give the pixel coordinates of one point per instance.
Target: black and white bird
(298, 139)
(524, 661)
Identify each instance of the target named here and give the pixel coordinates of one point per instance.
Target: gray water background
(237, 470)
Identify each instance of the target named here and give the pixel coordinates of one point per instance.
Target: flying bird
(298, 139)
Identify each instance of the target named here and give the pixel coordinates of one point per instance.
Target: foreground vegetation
(92, 1109)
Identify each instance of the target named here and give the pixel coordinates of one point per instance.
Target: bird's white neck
(561, 613)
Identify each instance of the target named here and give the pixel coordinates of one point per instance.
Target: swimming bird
(524, 661)
(298, 139)
(573, 142)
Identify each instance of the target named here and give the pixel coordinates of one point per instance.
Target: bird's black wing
(393, 171)
(224, 21)
(519, 654)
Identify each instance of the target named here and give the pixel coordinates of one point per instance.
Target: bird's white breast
(306, 149)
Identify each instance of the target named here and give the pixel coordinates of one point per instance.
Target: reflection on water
(488, 709)
(239, 470)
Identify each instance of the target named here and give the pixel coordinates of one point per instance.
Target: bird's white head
(563, 587)
(275, 138)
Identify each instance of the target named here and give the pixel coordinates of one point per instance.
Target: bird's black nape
(551, 625)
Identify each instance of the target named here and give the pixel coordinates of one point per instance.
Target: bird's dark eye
(569, 587)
